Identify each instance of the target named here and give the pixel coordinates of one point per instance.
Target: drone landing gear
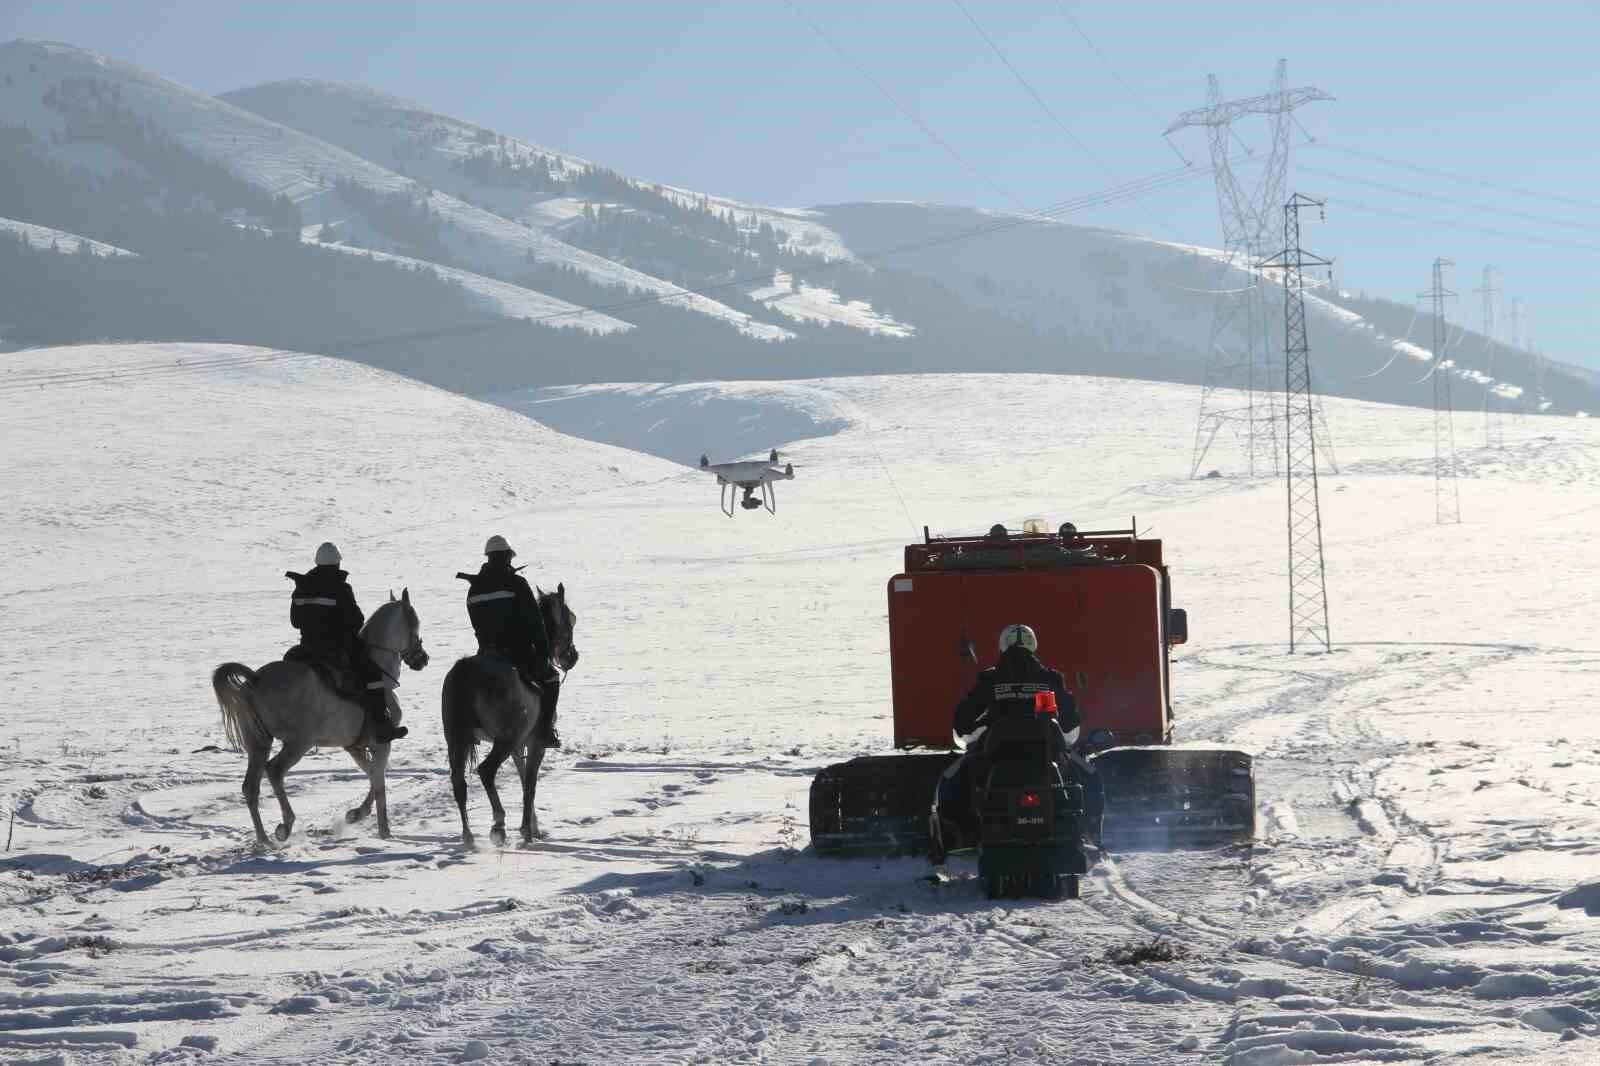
(749, 501)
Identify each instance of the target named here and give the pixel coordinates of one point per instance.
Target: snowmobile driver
(506, 618)
(323, 608)
(1005, 690)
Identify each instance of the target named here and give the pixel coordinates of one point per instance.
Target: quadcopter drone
(751, 475)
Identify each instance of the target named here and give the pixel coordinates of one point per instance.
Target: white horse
(291, 702)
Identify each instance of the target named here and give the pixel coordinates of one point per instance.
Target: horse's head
(404, 634)
(559, 622)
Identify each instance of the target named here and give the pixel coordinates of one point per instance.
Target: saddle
(523, 667)
(338, 674)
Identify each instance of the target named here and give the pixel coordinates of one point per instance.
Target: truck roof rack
(1068, 546)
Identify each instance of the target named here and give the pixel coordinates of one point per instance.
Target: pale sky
(1458, 130)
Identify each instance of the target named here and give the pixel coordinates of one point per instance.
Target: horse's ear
(391, 595)
(561, 589)
(405, 596)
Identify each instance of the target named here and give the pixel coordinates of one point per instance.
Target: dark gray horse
(485, 699)
(290, 701)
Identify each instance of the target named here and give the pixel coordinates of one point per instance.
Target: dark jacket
(324, 610)
(505, 613)
(1007, 689)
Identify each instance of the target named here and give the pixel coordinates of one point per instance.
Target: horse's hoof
(282, 833)
(498, 836)
(469, 842)
(353, 815)
(384, 834)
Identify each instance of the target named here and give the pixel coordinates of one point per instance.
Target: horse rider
(1006, 690)
(508, 622)
(325, 612)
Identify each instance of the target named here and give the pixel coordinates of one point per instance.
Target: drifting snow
(1423, 892)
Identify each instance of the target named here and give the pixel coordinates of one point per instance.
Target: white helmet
(497, 543)
(1018, 634)
(327, 554)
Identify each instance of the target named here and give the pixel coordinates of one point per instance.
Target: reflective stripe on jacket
(505, 612)
(323, 607)
(1008, 689)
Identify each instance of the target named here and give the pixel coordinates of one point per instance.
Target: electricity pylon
(1494, 432)
(1446, 487)
(1308, 583)
(1237, 392)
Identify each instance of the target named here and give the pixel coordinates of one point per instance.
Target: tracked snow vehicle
(1101, 603)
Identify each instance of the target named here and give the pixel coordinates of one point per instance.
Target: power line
(1411, 216)
(1433, 172)
(927, 130)
(1417, 194)
(1046, 108)
(1138, 97)
(1028, 86)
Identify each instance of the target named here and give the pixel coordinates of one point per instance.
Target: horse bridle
(571, 648)
(409, 655)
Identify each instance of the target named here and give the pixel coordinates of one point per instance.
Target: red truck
(1101, 604)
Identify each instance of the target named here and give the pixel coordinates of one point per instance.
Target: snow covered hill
(504, 173)
(532, 232)
(58, 240)
(512, 301)
(1419, 891)
(51, 82)
(1113, 291)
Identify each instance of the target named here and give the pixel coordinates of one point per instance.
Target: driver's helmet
(327, 554)
(1013, 635)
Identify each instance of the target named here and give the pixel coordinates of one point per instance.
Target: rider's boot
(377, 707)
(545, 730)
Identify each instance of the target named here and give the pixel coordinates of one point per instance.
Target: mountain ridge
(701, 285)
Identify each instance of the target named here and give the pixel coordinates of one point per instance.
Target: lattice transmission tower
(1308, 583)
(1515, 340)
(1238, 393)
(1446, 487)
(1494, 430)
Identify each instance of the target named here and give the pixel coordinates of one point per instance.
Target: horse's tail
(460, 726)
(241, 721)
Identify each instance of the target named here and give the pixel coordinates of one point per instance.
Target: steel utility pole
(1308, 583)
(1446, 488)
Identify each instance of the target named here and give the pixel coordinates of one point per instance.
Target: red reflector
(1029, 799)
(1044, 703)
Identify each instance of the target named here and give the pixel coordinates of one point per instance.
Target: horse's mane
(391, 605)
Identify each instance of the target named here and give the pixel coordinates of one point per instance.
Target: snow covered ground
(1430, 792)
